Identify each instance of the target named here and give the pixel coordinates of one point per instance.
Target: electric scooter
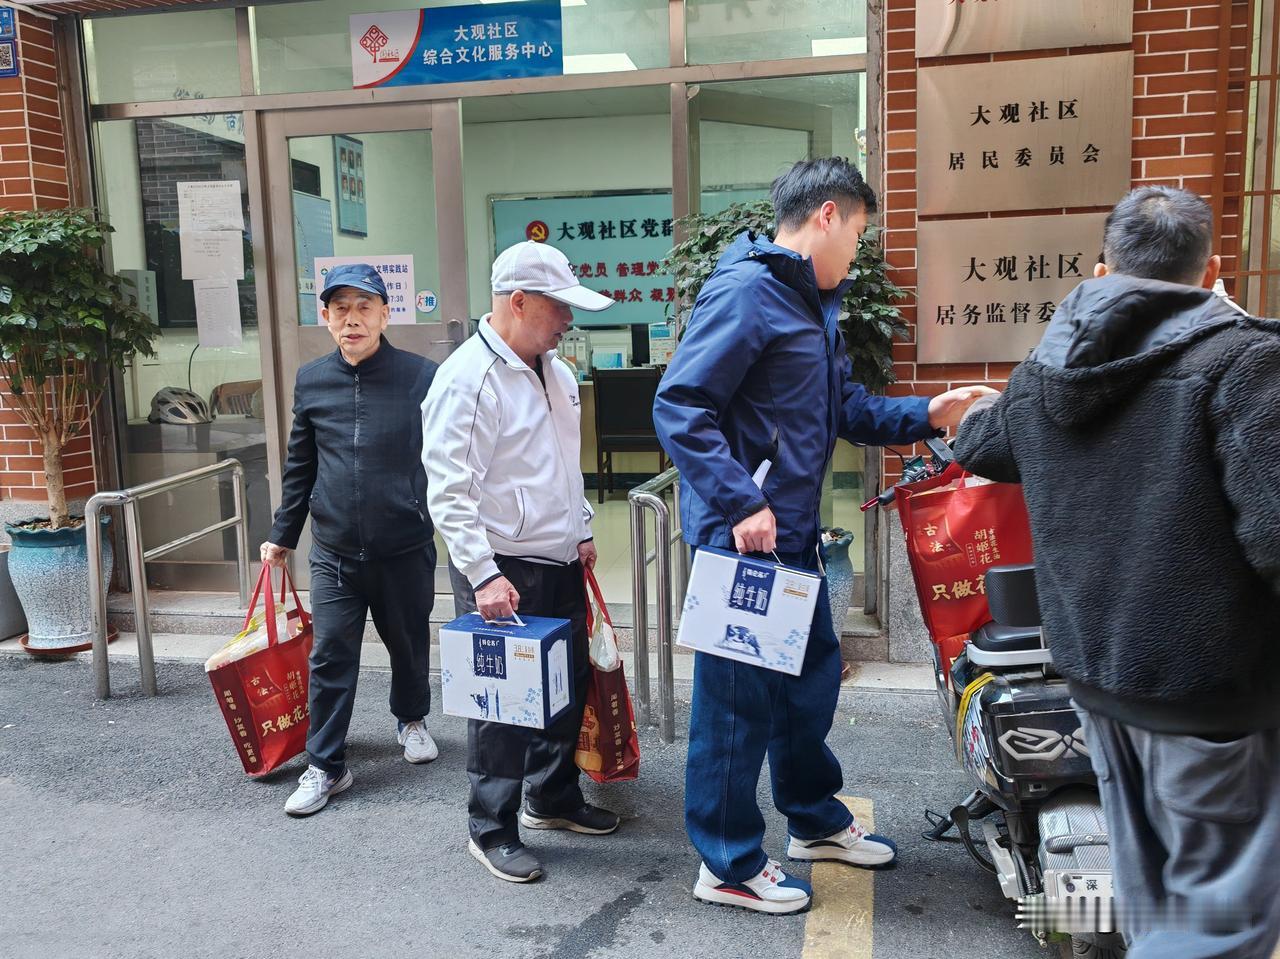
(1035, 797)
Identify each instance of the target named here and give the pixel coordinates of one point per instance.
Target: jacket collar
(380, 359)
(498, 346)
(788, 266)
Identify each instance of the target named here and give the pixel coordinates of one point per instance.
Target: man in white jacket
(501, 443)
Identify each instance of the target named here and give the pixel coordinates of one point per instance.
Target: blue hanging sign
(482, 41)
(7, 27)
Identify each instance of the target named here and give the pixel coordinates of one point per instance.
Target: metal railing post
(242, 531)
(137, 560)
(640, 609)
(666, 649)
(138, 575)
(97, 596)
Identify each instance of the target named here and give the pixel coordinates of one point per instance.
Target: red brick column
(33, 175)
(1175, 109)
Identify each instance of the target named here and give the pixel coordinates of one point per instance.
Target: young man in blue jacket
(762, 374)
(354, 467)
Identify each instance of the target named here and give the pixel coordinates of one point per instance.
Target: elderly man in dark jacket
(1145, 430)
(762, 374)
(354, 466)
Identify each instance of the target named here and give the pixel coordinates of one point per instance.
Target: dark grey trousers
(1195, 839)
(500, 758)
(399, 592)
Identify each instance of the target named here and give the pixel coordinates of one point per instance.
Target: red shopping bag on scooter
(263, 694)
(957, 527)
(608, 744)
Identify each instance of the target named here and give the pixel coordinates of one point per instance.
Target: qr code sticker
(6, 57)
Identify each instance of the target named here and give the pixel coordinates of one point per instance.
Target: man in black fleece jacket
(354, 465)
(1145, 429)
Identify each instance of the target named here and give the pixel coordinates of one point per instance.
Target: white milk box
(748, 609)
(516, 673)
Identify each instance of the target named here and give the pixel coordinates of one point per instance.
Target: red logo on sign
(537, 231)
(373, 41)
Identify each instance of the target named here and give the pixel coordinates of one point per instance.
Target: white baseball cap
(541, 268)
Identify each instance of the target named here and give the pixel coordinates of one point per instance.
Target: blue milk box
(748, 609)
(521, 675)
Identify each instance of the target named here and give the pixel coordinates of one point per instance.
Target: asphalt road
(129, 831)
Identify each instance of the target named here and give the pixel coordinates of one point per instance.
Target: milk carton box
(515, 673)
(751, 610)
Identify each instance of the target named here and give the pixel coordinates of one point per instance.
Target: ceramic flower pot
(50, 573)
(834, 548)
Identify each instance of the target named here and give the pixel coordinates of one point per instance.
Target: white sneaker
(770, 890)
(314, 789)
(418, 745)
(854, 846)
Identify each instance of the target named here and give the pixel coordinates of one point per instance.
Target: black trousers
(399, 592)
(501, 757)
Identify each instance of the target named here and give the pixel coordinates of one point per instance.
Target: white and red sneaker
(854, 846)
(770, 890)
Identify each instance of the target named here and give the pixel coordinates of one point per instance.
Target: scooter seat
(994, 638)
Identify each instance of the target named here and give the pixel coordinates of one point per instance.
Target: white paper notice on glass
(210, 205)
(397, 275)
(212, 254)
(218, 313)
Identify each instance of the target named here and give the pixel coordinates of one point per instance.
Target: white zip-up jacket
(502, 458)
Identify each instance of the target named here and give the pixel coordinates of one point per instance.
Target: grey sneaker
(315, 786)
(590, 820)
(511, 862)
(418, 745)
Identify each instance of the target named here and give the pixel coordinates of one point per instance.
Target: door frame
(270, 131)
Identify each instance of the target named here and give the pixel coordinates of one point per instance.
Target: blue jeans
(743, 712)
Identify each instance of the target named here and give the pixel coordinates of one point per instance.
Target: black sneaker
(591, 820)
(512, 862)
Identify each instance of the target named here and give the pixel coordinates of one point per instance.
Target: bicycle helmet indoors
(173, 404)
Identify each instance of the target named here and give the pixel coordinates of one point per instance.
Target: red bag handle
(593, 589)
(285, 580)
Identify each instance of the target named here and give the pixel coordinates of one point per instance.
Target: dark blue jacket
(355, 456)
(762, 373)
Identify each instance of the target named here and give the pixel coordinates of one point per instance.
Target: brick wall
(1176, 125)
(33, 175)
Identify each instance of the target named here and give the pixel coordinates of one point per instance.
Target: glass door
(380, 185)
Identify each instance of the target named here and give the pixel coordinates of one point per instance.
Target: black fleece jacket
(355, 456)
(1145, 430)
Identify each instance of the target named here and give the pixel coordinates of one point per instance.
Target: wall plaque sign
(947, 28)
(1025, 135)
(988, 288)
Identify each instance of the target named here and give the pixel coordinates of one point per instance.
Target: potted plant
(61, 315)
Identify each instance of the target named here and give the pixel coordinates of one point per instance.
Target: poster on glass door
(458, 44)
(396, 273)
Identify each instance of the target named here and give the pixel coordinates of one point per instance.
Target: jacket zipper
(555, 435)
(356, 470)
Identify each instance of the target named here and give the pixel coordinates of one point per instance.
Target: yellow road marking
(839, 924)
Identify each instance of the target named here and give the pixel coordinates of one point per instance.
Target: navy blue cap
(361, 276)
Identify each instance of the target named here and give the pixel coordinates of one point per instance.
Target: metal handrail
(128, 499)
(648, 496)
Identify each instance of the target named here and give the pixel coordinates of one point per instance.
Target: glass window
(723, 31)
(304, 47)
(146, 169)
(183, 55)
(749, 131)
(370, 196)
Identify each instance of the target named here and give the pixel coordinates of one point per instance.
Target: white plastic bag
(254, 638)
(603, 647)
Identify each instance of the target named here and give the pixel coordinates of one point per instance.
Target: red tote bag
(608, 744)
(956, 530)
(264, 695)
